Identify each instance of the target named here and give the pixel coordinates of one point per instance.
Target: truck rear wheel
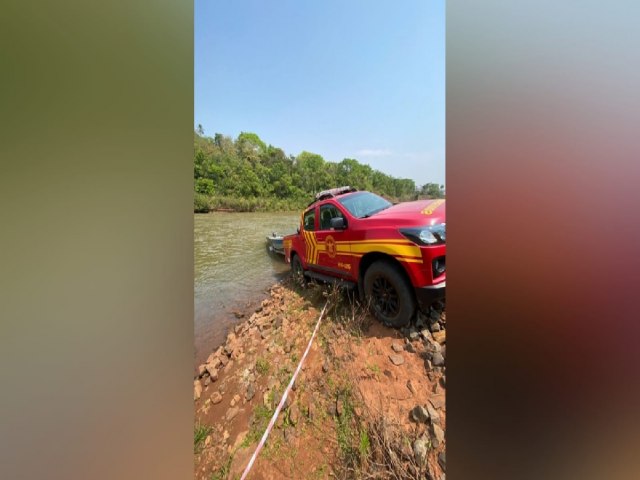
(389, 294)
(297, 272)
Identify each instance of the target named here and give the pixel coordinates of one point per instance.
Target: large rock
(238, 353)
(250, 393)
(230, 346)
(410, 386)
(421, 320)
(440, 336)
(437, 435)
(231, 413)
(420, 450)
(419, 414)
(228, 367)
(213, 372)
(433, 414)
(437, 360)
(438, 401)
(216, 398)
(396, 359)
(213, 359)
(264, 324)
(397, 347)
(197, 389)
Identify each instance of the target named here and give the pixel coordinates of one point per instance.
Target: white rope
(283, 399)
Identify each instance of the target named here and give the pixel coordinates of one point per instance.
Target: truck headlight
(428, 235)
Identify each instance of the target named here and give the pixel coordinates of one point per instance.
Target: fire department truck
(393, 254)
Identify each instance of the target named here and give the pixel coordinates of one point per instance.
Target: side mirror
(338, 223)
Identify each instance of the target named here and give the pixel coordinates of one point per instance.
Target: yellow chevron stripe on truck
(402, 250)
(432, 207)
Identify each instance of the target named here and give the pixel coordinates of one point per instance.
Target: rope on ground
(283, 399)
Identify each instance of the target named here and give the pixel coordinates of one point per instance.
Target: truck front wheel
(389, 294)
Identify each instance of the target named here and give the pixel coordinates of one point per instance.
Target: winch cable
(283, 399)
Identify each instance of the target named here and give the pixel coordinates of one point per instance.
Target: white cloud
(373, 152)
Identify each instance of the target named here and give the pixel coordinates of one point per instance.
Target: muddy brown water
(233, 270)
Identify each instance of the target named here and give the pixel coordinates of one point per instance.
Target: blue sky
(344, 79)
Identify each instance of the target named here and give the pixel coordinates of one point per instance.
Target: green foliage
(259, 421)
(200, 203)
(262, 366)
(204, 186)
(200, 433)
(223, 472)
(365, 443)
(432, 190)
(246, 174)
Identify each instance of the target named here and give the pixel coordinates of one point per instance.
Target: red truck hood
(421, 212)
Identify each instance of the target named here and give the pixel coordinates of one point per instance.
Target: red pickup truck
(393, 254)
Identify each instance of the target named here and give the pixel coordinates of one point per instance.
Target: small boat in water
(274, 243)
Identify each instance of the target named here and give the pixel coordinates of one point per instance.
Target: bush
(204, 186)
(201, 203)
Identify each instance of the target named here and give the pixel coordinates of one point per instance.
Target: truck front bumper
(426, 296)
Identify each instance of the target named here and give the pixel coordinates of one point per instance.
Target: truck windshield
(364, 204)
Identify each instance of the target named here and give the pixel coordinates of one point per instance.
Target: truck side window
(327, 212)
(310, 220)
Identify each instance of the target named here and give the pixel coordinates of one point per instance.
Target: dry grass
(390, 453)
(347, 310)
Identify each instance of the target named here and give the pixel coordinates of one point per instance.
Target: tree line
(246, 174)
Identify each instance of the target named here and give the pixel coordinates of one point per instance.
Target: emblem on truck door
(330, 246)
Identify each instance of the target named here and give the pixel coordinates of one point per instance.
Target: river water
(233, 270)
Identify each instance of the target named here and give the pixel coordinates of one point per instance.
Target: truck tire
(389, 294)
(297, 272)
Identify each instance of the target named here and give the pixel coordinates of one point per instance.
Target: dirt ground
(368, 403)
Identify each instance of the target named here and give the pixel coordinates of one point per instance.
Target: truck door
(308, 236)
(333, 250)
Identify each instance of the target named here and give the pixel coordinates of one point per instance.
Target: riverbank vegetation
(245, 174)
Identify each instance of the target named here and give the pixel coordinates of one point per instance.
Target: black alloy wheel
(385, 297)
(389, 294)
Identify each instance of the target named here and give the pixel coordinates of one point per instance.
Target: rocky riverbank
(369, 402)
